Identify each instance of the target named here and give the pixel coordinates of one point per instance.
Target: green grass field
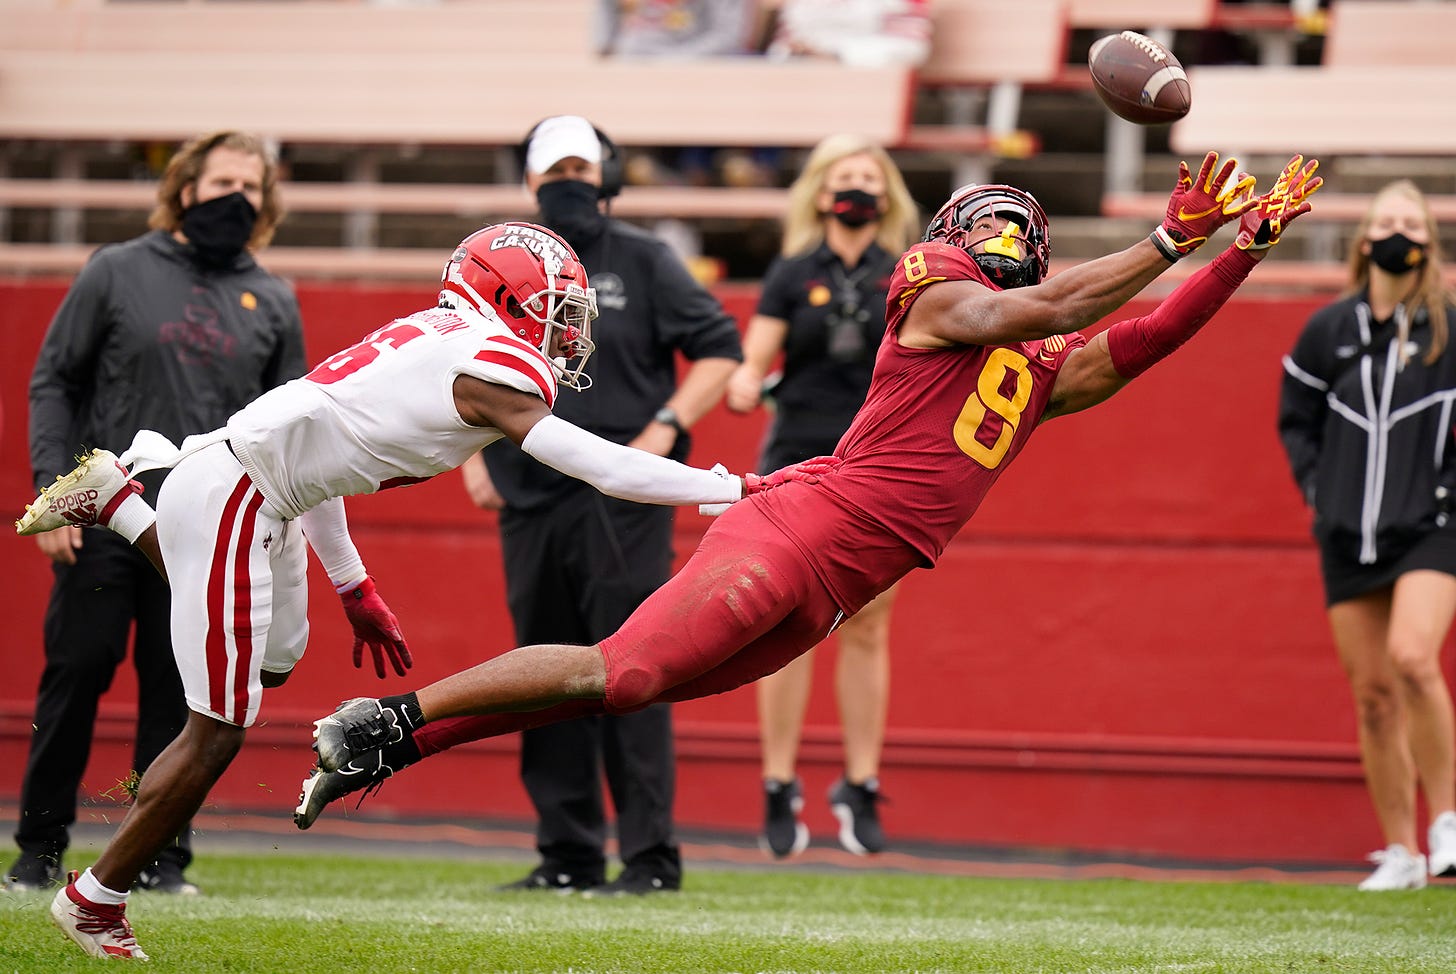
(315, 914)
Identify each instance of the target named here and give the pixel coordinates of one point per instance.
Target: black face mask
(569, 206)
(220, 228)
(1397, 254)
(854, 207)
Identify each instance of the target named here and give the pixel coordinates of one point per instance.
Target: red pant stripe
(243, 609)
(216, 639)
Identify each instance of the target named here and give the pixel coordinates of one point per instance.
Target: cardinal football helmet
(532, 280)
(1020, 254)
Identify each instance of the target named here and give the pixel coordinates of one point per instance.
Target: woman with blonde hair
(1366, 418)
(823, 310)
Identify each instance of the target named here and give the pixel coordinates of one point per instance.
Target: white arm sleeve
(327, 531)
(624, 472)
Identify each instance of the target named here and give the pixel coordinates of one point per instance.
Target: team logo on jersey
(818, 296)
(611, 292)
(1052, 347)
(551, 251)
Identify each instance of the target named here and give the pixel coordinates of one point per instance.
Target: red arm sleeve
(1137, 343)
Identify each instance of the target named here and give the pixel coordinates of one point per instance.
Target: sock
(132, 517)
(90, 887)
(407, 705)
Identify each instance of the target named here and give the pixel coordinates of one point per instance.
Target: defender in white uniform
(412, 400)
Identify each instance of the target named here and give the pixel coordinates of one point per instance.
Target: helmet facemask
(567, 313)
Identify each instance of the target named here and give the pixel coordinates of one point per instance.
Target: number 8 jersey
(364, 419)
(937, 428)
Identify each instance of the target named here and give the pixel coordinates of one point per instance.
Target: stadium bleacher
(83, 77)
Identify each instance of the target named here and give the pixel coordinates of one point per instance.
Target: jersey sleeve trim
(509, 362)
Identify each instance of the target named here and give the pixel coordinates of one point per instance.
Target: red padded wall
(1148, 671)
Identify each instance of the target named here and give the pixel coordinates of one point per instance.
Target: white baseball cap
(560, 137)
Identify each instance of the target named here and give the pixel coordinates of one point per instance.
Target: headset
(611, 161)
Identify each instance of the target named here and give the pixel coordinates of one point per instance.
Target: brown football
(1139, 79)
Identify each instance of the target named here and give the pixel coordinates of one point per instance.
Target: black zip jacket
(148, 339)
(1369, 440)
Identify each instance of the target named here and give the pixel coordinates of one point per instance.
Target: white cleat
(100, 930)
(87, 495)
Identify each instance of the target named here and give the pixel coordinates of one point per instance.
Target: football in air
(1139, 79)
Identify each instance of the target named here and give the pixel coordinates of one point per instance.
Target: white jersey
(381, 413)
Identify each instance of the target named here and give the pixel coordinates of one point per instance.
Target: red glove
(1200, 206)
(1260, 228)
(375, 625)
(809, 472)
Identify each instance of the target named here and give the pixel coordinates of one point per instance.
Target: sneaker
(165, 876)
(89, 494)
(359, 726)
(634, 883)
(101, 930)
(1442, 839)
(1398, 869)
(859, 819)
(31, 873)
(545, 877)
(784, 834)
(322, 787)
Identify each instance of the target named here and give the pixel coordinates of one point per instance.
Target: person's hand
(478, 485)
(60, 545)
(1262, 225)
(745, 389)
(375, 626)
(808, 472)
(1201, 205)
(655, 438)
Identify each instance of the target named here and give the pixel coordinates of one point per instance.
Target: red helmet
(532, 280)
(1008, 261)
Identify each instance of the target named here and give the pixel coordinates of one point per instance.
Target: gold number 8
(988, 398)
(915, 268)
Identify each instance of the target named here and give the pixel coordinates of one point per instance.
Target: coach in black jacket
(578, 562)
(172, 331)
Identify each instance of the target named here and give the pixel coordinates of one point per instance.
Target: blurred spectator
(823, 310)
(678, 28)
(864, 33)
(1365, 416)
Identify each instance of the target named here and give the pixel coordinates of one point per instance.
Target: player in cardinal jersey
(412, 400)
(978, 350)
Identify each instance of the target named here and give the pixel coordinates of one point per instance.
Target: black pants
(93, 605)
(574, 572)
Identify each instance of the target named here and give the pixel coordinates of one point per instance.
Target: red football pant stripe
(216, 640)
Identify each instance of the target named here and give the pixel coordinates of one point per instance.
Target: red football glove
(1200, 206)
(377, 627)
(808, 471)
(1261, 227)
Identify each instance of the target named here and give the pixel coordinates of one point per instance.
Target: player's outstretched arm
(1115, 357)
(327, 529)
(1077, 298)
